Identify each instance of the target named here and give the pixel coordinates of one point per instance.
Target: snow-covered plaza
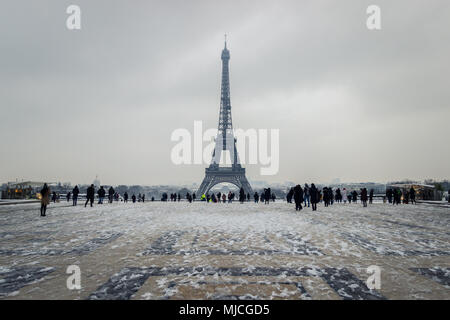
(177, 250)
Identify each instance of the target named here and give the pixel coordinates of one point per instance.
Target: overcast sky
(350, 103)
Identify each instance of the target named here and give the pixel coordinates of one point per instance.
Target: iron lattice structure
(225, 141)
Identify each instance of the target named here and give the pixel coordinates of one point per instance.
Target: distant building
(423, 191)
(22, 190)
(96, 182)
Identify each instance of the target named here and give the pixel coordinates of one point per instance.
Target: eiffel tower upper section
(225, 139)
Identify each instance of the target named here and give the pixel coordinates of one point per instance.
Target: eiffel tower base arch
(224, 175)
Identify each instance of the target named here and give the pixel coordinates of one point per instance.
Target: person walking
(90, 194)
(101, 195)
(326, 199)
(389, 194)
(133, 198)
(111, 194)
(306, 194)
(45, 199)
(125, 197)
(219, 197)
(330, 196)
(314, 194)
(298, 197)
(54, 197)
(412, 195)
(397, 196)
(355, 196)
(75, 193)
(256, 197)
(364, 197)
(68, 196)
(289, 195)
(344, 195)
(267, 195)
(338, 196)
(241, 195)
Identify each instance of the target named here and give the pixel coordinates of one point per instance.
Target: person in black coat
(219, 197)
(412, 195)
(267, 195)
(338, 196)
(101, 195)
(111, 194)
(241, 195)
(75, 193)
(133, 198)
(125, 197)
(290, 195)
(298, 197)
(54, 197)
(326, 198)
(314, 194)
(364, 196)
(90, 194)
(355, 196)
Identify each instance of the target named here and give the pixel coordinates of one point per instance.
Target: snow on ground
(158, 250)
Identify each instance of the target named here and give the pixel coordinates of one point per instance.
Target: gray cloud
(349, 103)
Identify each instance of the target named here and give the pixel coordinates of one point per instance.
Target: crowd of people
(395, 196)
(306, 196)
(311, 195)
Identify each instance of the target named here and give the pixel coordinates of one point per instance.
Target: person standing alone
(298, 197)
(75, 193)
(45, 199)
(90, 194)
(364, 197)
(315, 197)
(111, 194)
(101, 195)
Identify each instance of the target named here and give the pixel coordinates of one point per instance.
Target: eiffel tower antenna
(225, 141)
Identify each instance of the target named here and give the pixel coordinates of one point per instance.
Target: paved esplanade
(219, 251)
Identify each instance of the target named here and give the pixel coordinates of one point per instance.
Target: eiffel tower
(225, 141)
